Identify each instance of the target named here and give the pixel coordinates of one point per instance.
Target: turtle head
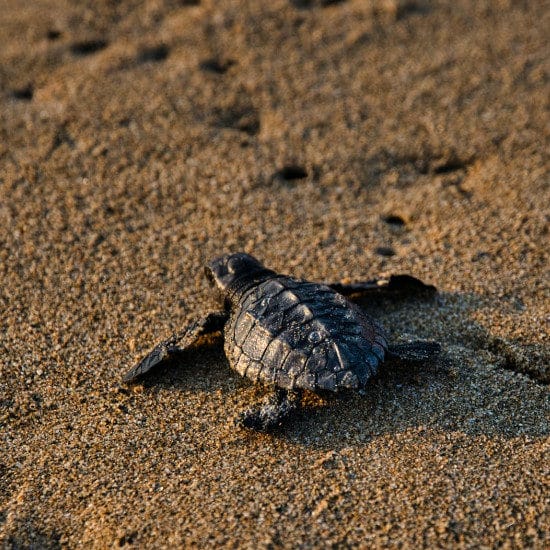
(232, 271)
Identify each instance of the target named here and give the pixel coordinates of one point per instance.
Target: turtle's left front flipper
(177, 343)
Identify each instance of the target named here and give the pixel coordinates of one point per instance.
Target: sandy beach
(335, 141)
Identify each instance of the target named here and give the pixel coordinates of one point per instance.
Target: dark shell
(296, 334)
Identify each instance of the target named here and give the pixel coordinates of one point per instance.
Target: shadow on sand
(470, 388)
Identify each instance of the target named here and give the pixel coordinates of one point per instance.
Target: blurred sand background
(334, 141)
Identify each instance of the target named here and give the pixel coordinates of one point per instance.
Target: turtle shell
(300, 335)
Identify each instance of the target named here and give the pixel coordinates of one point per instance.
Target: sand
(334, 141)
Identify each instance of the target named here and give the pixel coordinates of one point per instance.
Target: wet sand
(334, 141)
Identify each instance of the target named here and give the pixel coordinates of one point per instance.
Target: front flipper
(396, 285)
(177, 343)
(273, 411)
(414, 352)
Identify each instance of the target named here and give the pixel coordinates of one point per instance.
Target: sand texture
(334, 140)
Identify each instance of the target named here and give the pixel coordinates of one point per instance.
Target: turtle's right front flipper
(396, 285)
(177, 343)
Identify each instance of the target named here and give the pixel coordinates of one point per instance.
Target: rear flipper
(177, 343)
(396, 285)
(273, 411)
(414, 352)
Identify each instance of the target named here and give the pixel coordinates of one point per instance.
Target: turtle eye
(209, 274)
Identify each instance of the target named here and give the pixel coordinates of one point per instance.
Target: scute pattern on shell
(301, 335)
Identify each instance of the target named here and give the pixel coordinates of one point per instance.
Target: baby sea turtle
(292, 334)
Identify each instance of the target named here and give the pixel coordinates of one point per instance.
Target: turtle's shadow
(467, 389)
(477, 386)
(41, 538)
